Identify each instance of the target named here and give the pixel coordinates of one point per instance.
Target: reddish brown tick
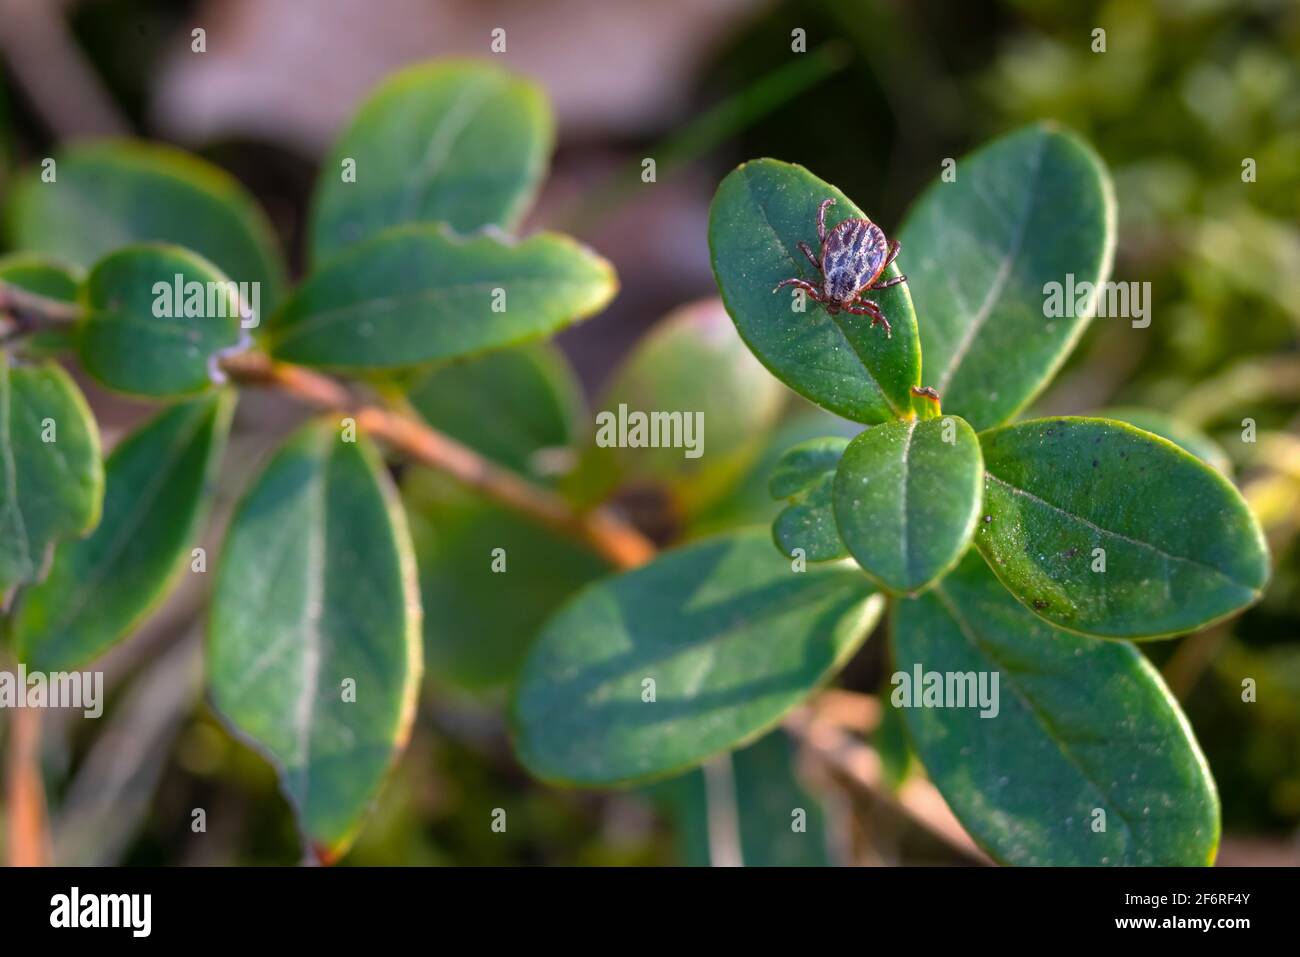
(853, 255)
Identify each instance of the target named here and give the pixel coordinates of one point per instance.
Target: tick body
(852, 256)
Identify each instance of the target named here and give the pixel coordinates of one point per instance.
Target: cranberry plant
(1034, 550)
(508, 560)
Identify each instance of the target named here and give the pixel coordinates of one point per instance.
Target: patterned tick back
(855, 254)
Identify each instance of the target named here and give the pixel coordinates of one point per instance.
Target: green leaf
(414, 294)
(1025, 210)
(1185, 436)
(314, 639)
(112, 194)
(760, 213)
(99, 588)
(716, 405)
(907, 496)
(51, 475)
(1080, 726)
(40, 275)
(485, 606)
(805, 477)
(516, 406)
(461, 143)
(1181, 547)
(731, 637)
(158, 318)
(760, 792)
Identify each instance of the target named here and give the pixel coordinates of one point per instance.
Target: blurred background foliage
(1186, 94)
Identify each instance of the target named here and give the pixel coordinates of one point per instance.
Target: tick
(853, 255)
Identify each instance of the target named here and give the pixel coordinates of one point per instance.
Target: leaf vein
(1167, 556)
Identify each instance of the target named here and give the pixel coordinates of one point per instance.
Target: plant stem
(26, 827)
(22, 311)
(610, 535)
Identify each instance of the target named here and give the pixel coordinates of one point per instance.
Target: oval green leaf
(314, 636)
(460, 143)
(157, 484)
(1074, 727)
(158, 318)
(805, 478)
(415, 294)
(762, 210)
(1030, 209)
(51, 473)
(111, 194)
(1065, 498)
(907, 496)
(732, 637)
(40, 275)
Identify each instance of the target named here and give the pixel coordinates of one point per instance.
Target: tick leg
(894, 246)
(821, 218)
(887, 283)
(804, 248)
(803, 284)
(865, 307)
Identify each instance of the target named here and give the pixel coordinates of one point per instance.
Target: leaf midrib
(465, 108)
(1000, 279)
(304, 710)
(350, 311)
(903, 543)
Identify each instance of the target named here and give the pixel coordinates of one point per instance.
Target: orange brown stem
(26, 827)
